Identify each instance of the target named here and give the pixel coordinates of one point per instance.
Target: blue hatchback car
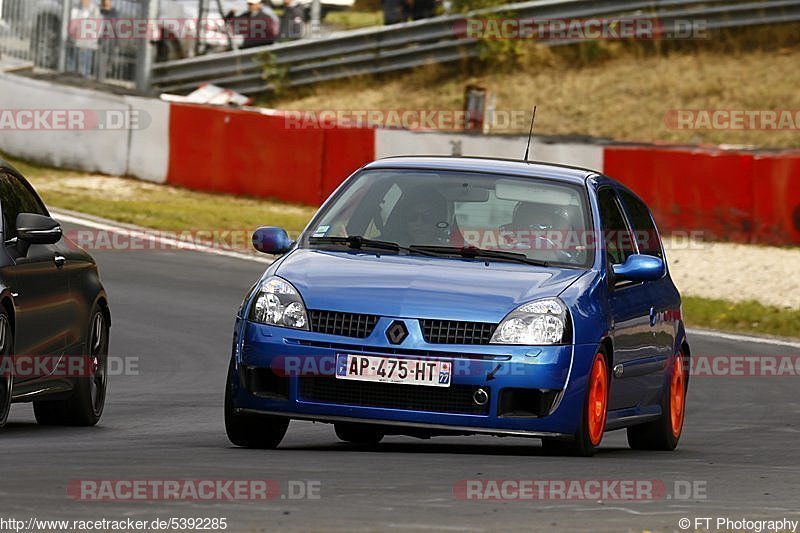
(453, 295)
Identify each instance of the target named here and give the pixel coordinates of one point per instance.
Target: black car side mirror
(36, 229)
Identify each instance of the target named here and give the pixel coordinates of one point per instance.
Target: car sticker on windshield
(321, 231)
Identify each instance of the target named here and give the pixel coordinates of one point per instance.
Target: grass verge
(750, 317)
(616, 90)
(157, 206)
(350, 20)
(174, 209)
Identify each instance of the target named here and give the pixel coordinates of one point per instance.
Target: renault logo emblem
(397, 332)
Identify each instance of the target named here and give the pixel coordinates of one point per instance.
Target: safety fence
(440, 40)
(69, 36)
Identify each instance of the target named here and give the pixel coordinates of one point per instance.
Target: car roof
(532, 169)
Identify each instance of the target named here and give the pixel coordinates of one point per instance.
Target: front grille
(453, 399)
(343, 324)
(453, 332)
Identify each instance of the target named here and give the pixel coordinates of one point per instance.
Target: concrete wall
(105, 137)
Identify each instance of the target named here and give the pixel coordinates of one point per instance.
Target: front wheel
(251, 431)
(664, 433)
(85, 406)
(6, 373)
(593, 415)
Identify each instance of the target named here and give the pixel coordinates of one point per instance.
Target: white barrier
(401, 142)
(100, 133)
(149, 148)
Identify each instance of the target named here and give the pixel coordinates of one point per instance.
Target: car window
(15, 198)
(541, 219)
(643, 227)
(616, 236)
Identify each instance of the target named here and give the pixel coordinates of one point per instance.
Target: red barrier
(346, 150)
(726, 195)
(776, 185)
(251, 153)
(690, 190)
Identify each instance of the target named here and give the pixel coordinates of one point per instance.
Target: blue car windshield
(543, 221)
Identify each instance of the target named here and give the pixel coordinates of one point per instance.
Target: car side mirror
(639, 267)
(272, 240)
(38, 229)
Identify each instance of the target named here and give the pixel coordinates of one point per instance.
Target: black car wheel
(85, 406)
(6, 376)
(251, 431)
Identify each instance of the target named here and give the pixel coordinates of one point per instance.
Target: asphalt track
(174, 311)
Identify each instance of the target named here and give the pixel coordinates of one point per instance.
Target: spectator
(395, 11)
(293, 20)
(259, 25)
(109, 48)
(84, 47)
(423, 9)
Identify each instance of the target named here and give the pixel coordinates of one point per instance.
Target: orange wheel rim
(598, 399)
(677, 395)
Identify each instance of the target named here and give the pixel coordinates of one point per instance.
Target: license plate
(390, 370)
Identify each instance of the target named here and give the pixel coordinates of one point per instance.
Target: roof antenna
(530, 134)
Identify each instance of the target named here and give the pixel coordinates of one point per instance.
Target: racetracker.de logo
(67, 366)
(122, 490)
(73, 119)
(211, 31)
(511, 120)
(630, 490)
(577, 30)
(733, 119)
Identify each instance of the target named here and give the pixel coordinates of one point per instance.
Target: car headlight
(278, 303)
(538, 322)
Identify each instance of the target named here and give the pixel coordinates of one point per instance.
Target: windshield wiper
(472, 252)
(357, 242)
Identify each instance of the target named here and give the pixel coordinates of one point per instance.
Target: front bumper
(301, 383)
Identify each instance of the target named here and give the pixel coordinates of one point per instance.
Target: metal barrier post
(62, 51)
(144, 66)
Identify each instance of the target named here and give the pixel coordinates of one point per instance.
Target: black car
(54, 316)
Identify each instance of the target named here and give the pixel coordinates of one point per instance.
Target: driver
(421, 217)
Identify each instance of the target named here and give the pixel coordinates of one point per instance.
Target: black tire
(659, 434)
(85, 405)
(251, 431)
(6, 375)
(581, 445)
(361, 434)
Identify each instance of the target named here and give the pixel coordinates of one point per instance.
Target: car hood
(419, 286)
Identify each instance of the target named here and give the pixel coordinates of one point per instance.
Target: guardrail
(436, 40)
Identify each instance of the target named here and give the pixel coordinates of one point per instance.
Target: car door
(635, 354)
(43, 308)
(663, 297)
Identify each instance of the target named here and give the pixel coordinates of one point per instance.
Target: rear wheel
(85, 406)
(362, 434)
(593, 415)
(6, 374)
(664, 433)
(251, 431)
